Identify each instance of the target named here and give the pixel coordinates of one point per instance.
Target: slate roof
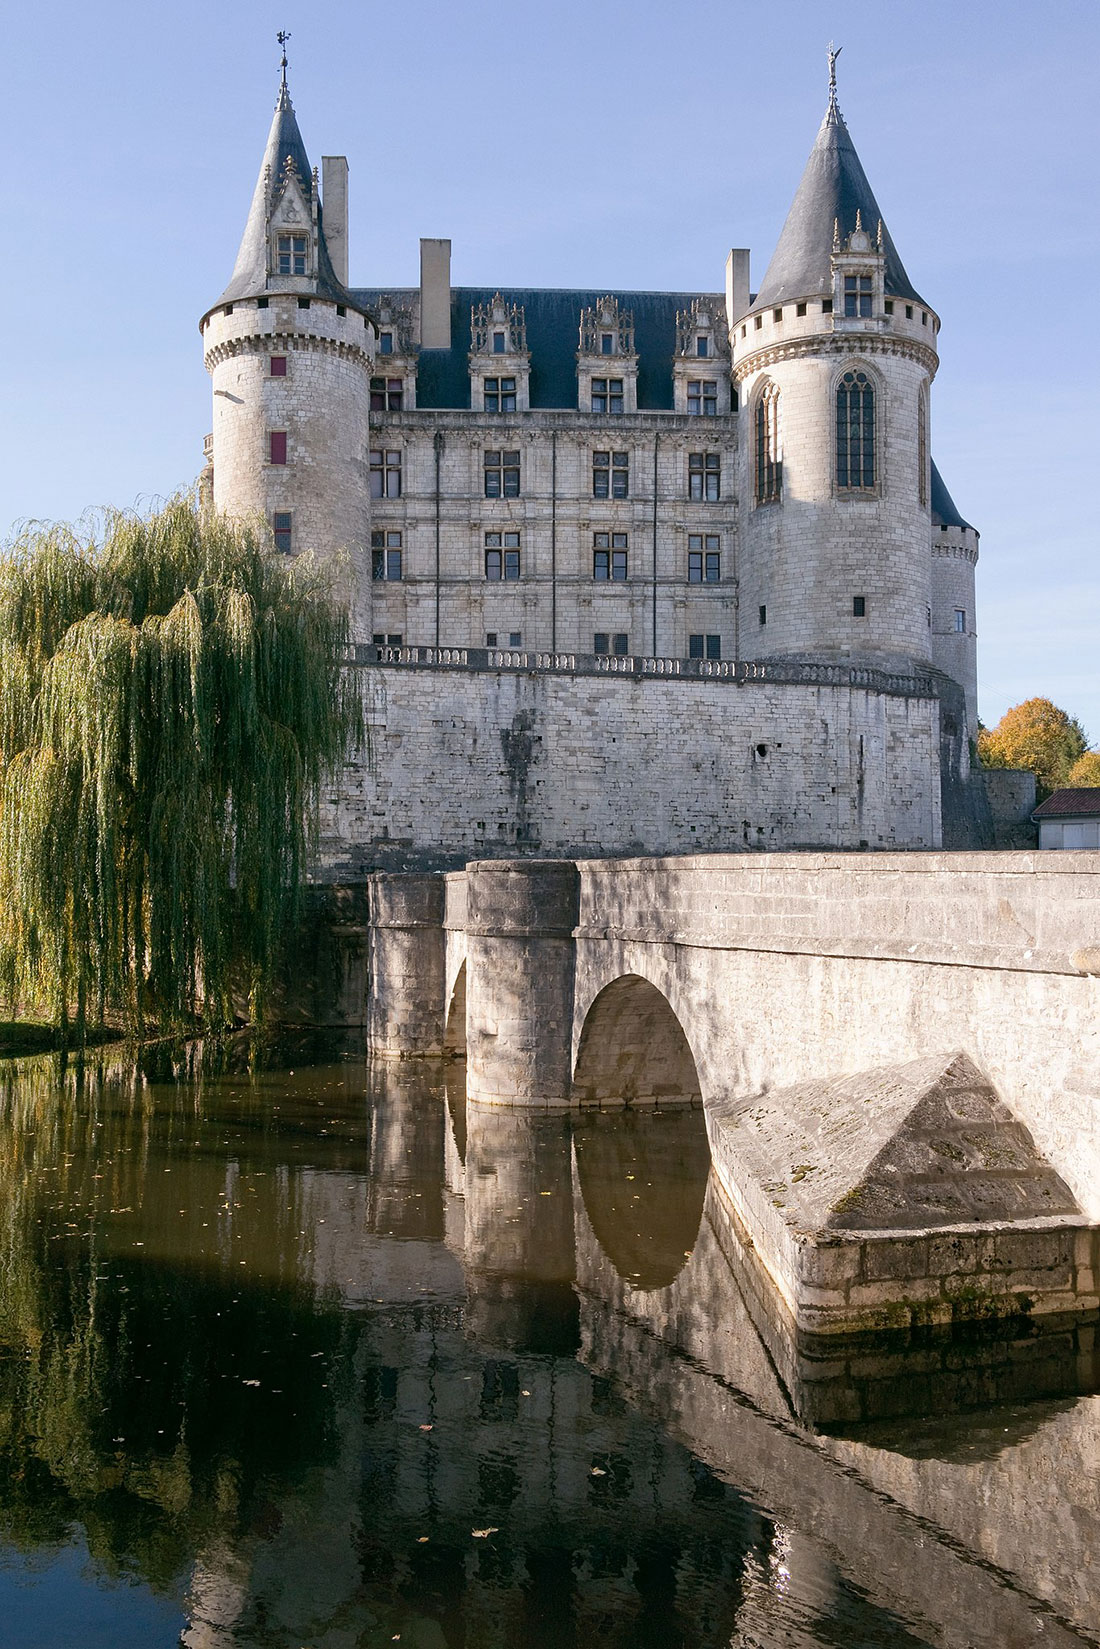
(944, 510)
(1070, 804)
(553, 320)
(834, 187)
(249, 277)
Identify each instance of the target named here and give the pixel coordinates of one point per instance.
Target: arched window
(855, 432)
(769, 463)
(922, 448)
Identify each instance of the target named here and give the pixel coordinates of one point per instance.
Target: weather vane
(834, 53)
(282, 37)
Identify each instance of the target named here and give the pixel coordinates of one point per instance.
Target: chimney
(435, 294)
(737, 284)
(334, 200)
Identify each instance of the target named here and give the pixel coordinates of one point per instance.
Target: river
(299, 1350)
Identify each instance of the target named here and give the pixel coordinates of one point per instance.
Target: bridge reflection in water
(488, 1377)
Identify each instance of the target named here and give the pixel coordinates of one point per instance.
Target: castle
(634, 571)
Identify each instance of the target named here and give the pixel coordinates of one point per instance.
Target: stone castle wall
(598, 757)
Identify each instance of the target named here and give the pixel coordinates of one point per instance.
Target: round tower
(954, 633)
(289, 350)
(833, 361)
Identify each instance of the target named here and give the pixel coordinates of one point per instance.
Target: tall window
(960, 621)
(703, 397)
(282, 530)
(704, 558)
(608, 556)
(385, 555)
(499, 343)
(385, 474)
(276, 446)
(922, 448)
(610, 474)
(291, 252)
(500, 395)
(387, 394)
(857, 295)
(607, 395)
(385, 343)
(769, 465)
(501, 474)
(501, 556)
(705, 476)
(855, 431)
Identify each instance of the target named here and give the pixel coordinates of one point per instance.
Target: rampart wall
(476, 754)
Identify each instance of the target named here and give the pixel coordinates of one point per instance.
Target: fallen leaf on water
(480, 1534)
(250, 1382)
(425, 1428)
(598, 1471)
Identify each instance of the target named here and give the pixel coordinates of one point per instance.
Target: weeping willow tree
(171, 702)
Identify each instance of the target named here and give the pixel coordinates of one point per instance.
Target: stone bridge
(898, 1055)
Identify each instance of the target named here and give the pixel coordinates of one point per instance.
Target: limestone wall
(473, 764)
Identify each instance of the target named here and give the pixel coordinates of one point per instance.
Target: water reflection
(328, 1357)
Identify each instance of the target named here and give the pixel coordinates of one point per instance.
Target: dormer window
(385, 343)
(500, 343)
(607, 343)
(857, 296)
(702, 349)
(292, 251)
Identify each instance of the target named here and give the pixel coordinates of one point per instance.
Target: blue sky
(575, 144)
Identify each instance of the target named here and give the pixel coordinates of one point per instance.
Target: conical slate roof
(834, 188)
(249, 278)
(944, 510)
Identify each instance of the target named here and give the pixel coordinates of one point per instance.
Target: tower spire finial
(834, 53)
(282, 37)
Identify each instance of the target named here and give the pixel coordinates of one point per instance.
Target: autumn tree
(171, 701)
(1036, 735)
(1085, 772)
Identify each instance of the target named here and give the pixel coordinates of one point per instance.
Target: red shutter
(278, 366)
(278, 446)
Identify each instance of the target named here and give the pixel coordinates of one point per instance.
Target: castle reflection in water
(324, 1371)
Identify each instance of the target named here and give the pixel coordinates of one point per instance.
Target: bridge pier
(519, 981)
(406, 1001)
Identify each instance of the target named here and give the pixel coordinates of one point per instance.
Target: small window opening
(763, 614)
(341, 308)
(826, 306)
(490, 638)
(498, 343)
(385, 343)
(859, 606)
(261, 303)
(889, 306)
(777, 314)
(800, 308)
(960, 621)
(278, 366)
(282, 531)
(303, 303)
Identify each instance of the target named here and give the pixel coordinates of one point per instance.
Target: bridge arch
(454, 1031)
(633, 1050)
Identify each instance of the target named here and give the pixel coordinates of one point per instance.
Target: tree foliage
(1085, 771)
(1035, 735)
(171, 700)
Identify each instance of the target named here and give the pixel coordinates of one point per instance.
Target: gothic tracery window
(769, 463)
(855, 432)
